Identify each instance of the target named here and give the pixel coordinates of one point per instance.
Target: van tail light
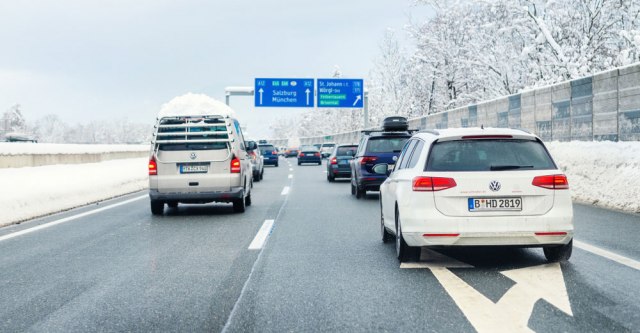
(334, 161)
(235, 165)
(552, 182)
(432, 184)
(367, 159)
(153, 166)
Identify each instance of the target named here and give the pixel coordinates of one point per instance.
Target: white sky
(84, 59)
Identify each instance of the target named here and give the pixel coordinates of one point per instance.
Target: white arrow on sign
(307, 91)
(511, 313)
(260, 91)
(357, 99)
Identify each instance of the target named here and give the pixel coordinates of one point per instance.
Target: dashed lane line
(607, 254)
(261, 236)
(69, 218)
(285, 190)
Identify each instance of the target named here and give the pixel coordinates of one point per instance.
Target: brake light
(367, 159)
(153, 167)
(274, 152)
(334, 161)
(552, 182)
(471, 137)
(317, 154)
(431, 184)
(301, 155)
(235, 165)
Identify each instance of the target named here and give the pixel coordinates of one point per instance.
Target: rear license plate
(343, 162)
(494, 204)
(194, 168)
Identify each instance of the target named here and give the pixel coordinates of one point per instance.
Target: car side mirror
(251, 145)
(381, 169)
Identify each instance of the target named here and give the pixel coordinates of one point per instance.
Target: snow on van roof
(191, 104)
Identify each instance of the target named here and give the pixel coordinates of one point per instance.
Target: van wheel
(239, 205)
(247, 200)
(558, 253)
(261, 174)
(157, 207)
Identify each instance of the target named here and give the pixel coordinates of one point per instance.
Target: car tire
(256, 177)
(239, 205)
(330, 178)
(386, 236)
(172, 204)
(276, 165)
(157, 207)
(360, 193)
(320, 163)
(353, 189)
(247, 200)
(299, 163)
(262, 174)
(558, 253)
(404, 252)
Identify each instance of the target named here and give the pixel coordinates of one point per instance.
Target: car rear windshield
(346, 151)
(386, 144)
(488, 155)
(266, 149)
(309, 148)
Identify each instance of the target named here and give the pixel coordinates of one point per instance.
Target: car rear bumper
(525, 239)
(309, 160)
(271, 161)
(198, 197)
(370, 183)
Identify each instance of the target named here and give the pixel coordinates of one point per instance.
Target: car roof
(459, 133)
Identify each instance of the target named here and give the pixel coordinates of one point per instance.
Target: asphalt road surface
(203, 268)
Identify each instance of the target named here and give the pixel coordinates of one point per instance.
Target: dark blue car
(309, 154)
(377, 146)
(269, 153)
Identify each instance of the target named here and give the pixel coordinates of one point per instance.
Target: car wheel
(360, 193)
(404, 252)
(386, 236)
(256, 177)
(247, 200)
(299, 163)
(261, 174)
(353, 189)
(558, 253)
(157, 207)
(331, 178)
(239, 205)
(320, 163)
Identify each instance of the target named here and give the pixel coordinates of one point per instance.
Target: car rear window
(266, 149)
(309, 148)
(346, 151)
(386, 145)
(488, 155)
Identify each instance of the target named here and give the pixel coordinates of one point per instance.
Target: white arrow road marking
(357, 99)
(260, 91)
(512, 312)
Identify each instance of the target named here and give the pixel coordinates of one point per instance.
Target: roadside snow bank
(605, 174)
(31, 192)
(28, 148)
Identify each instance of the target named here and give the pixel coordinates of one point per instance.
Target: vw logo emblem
(495, 186)
(193, 156)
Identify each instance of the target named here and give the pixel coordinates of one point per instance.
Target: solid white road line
(70, 218)
(607, 254)
(261, 236)
(285, 190)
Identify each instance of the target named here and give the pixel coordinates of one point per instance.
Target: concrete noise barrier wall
(33, 160)
(605, 106)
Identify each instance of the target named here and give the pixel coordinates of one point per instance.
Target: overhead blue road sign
(340, 93)
(284, 93)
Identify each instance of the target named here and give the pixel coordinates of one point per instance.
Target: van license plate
(494, 204)
(194, 168)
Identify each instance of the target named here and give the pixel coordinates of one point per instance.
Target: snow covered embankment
(31, 192)
(605, 174)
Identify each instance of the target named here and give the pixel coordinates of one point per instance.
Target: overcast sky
(85, 60)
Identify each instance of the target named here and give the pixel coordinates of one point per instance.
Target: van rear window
(488, 155)
(193, 146)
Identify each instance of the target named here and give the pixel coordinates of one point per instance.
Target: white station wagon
(475, 187)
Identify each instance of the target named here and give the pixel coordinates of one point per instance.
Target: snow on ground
(605, 174)
(28, 148)
(36, 191)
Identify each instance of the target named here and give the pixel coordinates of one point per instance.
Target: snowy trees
(13, 120)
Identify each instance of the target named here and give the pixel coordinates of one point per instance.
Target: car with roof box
(476, 187)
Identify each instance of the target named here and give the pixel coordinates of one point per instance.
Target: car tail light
(153, 167)
(235, 165)
(552, 182)
(431, 184)
(334, 161)
(317, 154)
(301, 155)
(367, 159)
(274, 152)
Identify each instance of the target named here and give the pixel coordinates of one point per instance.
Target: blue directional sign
(284, 93)
(340, 93)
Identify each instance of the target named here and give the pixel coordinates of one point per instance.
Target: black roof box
(395, 123)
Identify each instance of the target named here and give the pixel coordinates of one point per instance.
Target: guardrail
(33, 160)
(604, 106)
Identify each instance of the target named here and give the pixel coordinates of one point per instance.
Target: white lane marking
(290, 176)
(512, 312)
(607, 254)
(290, 169)
(285, 190)
(67, 219)
(261, 236)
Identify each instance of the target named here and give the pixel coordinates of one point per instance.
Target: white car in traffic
(476, 187)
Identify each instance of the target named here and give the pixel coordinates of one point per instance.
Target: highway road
(115, 267)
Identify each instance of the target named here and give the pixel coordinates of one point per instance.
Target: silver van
(199, 158)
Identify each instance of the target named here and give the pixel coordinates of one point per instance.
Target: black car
(377, 146)
(270, 154)
(338, 162)
(309, 154)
